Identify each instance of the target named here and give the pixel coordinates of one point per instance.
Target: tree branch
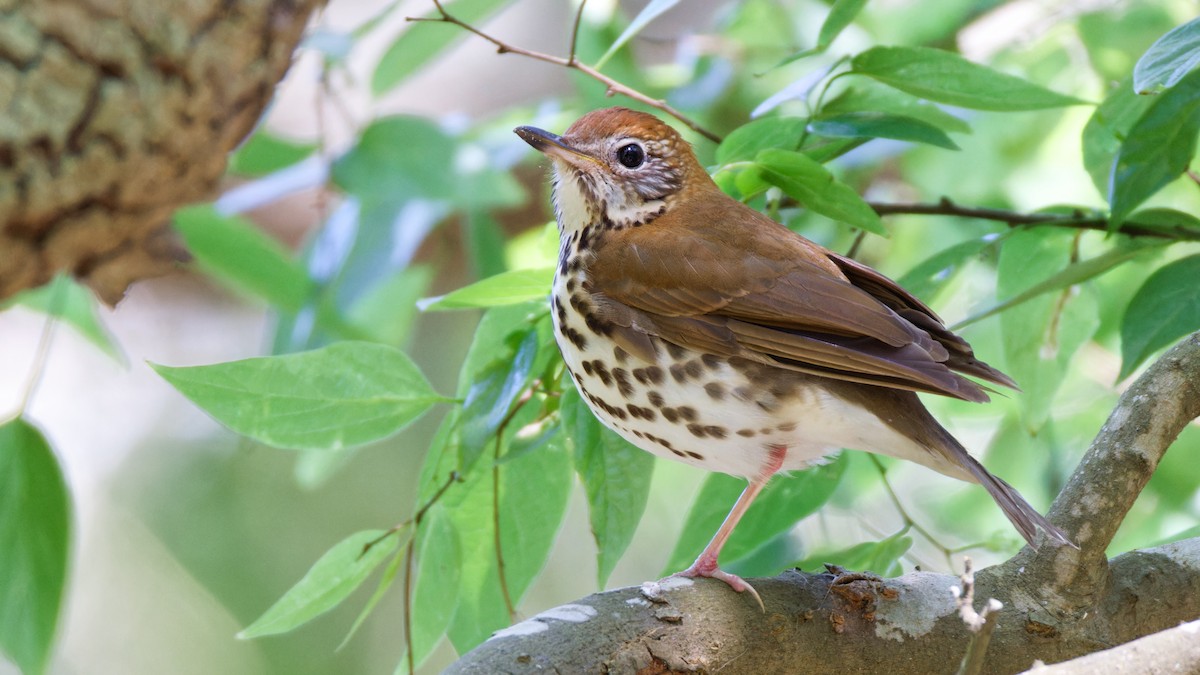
(614, 87)
(1060, 603)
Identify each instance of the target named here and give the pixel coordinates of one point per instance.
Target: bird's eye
(631, 156)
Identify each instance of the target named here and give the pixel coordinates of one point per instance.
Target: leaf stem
(38, 367)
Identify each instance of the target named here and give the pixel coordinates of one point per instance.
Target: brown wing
(735, 283)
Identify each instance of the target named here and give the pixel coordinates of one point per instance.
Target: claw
(703, 568)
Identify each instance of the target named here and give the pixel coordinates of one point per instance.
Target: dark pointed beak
(552, 145)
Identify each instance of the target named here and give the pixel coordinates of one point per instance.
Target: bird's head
(617, 167)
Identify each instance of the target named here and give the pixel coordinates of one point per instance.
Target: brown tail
(1024, 517)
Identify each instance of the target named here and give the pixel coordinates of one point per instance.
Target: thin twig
(908, 520)
(575, 31)
(981, 624)
(1078, 219)
(614, 87)
(415, 521)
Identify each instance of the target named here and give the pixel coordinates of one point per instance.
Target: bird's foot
(706, 567)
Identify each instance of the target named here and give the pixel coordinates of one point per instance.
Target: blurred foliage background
(387, 172)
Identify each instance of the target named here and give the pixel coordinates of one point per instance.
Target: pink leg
(706, 564)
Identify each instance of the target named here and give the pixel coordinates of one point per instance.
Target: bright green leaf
(840, 15)
(1170, 58)
(73, 303)
(377, 172)
(1169, 220)
(435, 598)
(1164, 309)
(616, 476)
(1107, 128)
(786, 500)
(491, 397)
(745, 142)
(533, 500)
(650, 12)
(870, 96)
(265, 153)
(238, 253)
(35, 534)
(881, 557)
(881, 125)
(926, 277)
(416, 47)
(330, 580)
(385, 582)
(1158, 149)
(1075, 273)
(946, 77)
(506, 288)
(812, 185)
(342, 395)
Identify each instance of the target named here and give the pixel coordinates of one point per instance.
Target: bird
(701, 330)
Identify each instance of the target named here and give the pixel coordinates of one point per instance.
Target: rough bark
(1060, 603)
(116, 113)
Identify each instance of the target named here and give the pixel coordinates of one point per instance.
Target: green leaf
(1164, 309)
(650, 12)
(1040, 335)
(1167, 219)
(386, 311)
(265, 153)
(1170, 58)
(328, 582)
(375, 172)
(1158, 149)
(946, 77)
(417, 46)
(491, 397)
(616, 476)
(435, 592)
(506, 288)
(342, 395)
(745, 142)
(881, 557)
(1075, 273)
(236, 252)
(840, 15)
(787, 499)
(66, 299)
(881, 125)
(870, 96)
(812, 185)
(35, 535)
(533, 500)
(1107, 128)
(925, 278)
(385, 582)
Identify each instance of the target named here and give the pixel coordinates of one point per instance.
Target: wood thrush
(703, 331)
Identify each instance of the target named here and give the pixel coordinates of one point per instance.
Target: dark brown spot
(670, 414)
(694, 455)
(620, 355)
(711, 362)
(639, 374)
(575, 265)
(767, 406)
(602, 372)
(639, 412)
(677, 452)
(745, 432)
(716, 390)
(570, 285)
(743, 394)
(677, 373)
(576, 338)
(693, 369)
(622, 377)
(676, 352)
(688, 413)
(655, 399)
(765, 431)
(787, 426)
(578, 303)
(638, 433)
(696, 430)
(587, 367)
(655, 374)
(715, 432)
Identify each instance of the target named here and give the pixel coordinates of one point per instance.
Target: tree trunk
(116, 113)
